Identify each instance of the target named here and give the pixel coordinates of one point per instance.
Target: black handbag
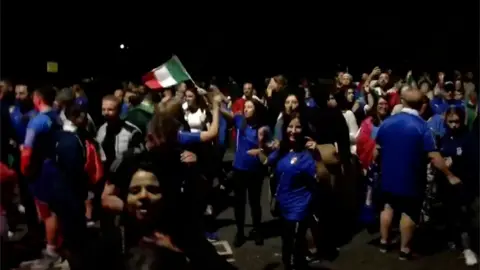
(274, 207)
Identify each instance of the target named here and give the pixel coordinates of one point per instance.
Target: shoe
(452, 246)
(256, 236)
(90, 224)
(21, 209)
(312, 258)
(405, 256)
(239, 240)
(48, 261)
(212, 236)
(384, 247)
(209, 210)
(470, 257)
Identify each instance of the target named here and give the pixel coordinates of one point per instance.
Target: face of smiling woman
(143, 195)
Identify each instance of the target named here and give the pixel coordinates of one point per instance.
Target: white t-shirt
(352, 129)
(197, 121)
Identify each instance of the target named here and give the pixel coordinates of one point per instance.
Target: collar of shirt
(410, 111)
(69, 126)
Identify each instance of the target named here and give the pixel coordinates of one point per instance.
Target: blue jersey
(310, 102)
(188, 138)
(40, 137)
(20, 121)
(296, 181)
(247, 139)
(405, 140)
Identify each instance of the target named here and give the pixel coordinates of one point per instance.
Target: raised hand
(310, 144)
(376, 71)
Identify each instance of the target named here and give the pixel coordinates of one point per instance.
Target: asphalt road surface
(359, 254)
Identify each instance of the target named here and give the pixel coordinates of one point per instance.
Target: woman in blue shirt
(295, 166)
(455, 197)
(252, 133)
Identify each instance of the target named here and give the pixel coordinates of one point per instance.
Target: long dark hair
(259, 117)
(200, 102)
(299, 95)
(376, 119)
(285, 144)
(342, 102)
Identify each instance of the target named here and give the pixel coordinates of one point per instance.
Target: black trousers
(294, 244)
(247, 182)
(457, 214)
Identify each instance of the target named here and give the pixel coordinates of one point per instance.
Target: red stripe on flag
(151, 82)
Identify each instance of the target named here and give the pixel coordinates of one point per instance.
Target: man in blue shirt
(22, 111)
(38, 165)
(406, 145)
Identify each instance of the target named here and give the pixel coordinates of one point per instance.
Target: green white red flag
(168, 74)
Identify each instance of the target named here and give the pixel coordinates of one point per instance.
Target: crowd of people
(381, 150)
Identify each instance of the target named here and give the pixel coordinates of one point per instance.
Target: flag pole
(184, 69)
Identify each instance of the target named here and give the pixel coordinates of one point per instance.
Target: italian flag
(169, 74)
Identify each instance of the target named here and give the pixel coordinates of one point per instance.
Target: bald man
(407, 145)
(398, 108)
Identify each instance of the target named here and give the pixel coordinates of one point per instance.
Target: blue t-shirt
(405, 140)
(82, 102)
(40, 137)
(296, 181)
(40, 125)
(440, 105)
(310, 102)
(452, 145)
(360, 98)
(20, 121)
(247, 139)
(374, 133)
(222, 129)
(188, 138)
(437, 125)
(124, 109)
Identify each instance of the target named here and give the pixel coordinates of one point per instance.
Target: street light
(122, 46)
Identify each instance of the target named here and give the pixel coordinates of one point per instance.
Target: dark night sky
(244, 40)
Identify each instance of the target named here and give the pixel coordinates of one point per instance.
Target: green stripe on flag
(176, 69)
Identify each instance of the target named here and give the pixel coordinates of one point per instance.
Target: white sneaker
(47, 262)
(209, 210)
(90, 224)
(470, 257)
(21, 209)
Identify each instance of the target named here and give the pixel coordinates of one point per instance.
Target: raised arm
(212, 132)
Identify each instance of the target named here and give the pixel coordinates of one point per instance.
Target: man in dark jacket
(141, 114)
(329, 127)
(275, 97)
